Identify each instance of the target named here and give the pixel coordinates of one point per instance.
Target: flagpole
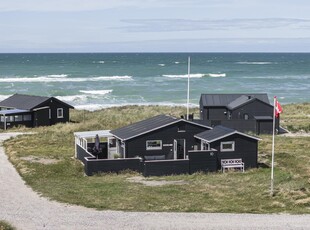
(188, 69)
(272, 153)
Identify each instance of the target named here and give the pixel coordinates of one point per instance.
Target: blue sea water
(99, 80)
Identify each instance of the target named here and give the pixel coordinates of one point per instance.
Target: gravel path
(25, 209)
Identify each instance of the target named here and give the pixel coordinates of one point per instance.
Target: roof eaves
(227, 135)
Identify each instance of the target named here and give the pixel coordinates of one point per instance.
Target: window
(27, 117)
(18, 117)
(227, 146)
(60, 113)
(205, 145)
(246, 116)
(10, 118)
(49, 114)
(154, 145)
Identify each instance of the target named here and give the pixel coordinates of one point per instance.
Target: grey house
(243, 112)
(32, 111)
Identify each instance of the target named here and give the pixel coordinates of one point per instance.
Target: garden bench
(232, 163)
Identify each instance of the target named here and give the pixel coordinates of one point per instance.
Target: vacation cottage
(243, 112)
(164, 145)
(32, 111)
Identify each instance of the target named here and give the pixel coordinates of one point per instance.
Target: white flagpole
(188, 69)
(272, 153)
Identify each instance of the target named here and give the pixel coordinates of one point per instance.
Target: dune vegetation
(45, 160)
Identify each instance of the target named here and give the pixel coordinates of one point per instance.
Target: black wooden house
(243, 112)
(32, 111)
(160, 137)
(164, 145)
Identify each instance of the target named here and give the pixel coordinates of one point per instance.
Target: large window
(154, 145)
(227, 146)
(60, 113)
(27, 117)
(18, 117)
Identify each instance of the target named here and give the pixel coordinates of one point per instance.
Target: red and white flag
(278, 108)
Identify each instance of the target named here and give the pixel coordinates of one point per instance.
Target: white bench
(232, 163)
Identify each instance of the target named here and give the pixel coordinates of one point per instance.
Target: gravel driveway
(25, 209)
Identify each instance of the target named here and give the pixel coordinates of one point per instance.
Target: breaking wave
(97, 92)
(64, 78)
(197, 75)
(255, 62)
(93, 107)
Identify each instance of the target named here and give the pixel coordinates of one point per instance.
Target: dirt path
(25, 209)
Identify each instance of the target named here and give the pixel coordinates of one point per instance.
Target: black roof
(148, 125)
(27, 102)
(231, 100)
(144, 126)
(219, 132)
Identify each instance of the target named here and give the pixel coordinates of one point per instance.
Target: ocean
(94, 81)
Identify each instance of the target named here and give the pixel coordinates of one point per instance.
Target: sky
(154, 26)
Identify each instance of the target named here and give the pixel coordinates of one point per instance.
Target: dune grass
(6, 226)
(247, 192)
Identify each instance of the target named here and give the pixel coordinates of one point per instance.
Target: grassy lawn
(63, 179)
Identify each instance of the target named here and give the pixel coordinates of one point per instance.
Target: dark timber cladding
(35, 110)
(242, 145)
(173, 137)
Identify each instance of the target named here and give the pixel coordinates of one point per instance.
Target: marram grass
(233, 192)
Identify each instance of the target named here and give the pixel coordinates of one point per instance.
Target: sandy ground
(25, 209)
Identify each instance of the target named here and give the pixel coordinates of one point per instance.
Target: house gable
(251, 109)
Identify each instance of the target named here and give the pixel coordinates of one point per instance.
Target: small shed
(32, 111)
(230, 144)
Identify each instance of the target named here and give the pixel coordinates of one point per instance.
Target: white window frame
(160, 147)
(62, 113)
(232, 143)
(204, 143)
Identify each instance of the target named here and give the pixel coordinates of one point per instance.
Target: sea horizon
(99, 80)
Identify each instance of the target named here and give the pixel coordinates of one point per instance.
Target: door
(179, 148)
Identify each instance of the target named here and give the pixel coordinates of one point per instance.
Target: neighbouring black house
(243, 112)
(32, 111)
(164, 145)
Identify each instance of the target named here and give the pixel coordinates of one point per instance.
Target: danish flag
(278, 108)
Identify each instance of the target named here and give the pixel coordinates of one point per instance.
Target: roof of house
(27, 102)
(92, 134)
(148, 125)
(13, 111)
(219, 132)
(231, 100)
(144, 126)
